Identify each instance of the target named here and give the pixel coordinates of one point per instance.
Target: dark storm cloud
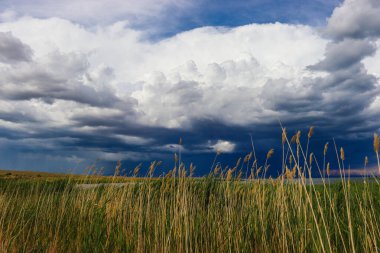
(343, 54)
(26, 129)
(58, 76)
(117, 124)
(17, 117)
(341, 99)
(288, 100)
(106, 130)
(194, 136)
(69, 92)
(96, 121)
(354, 78)
(12, 134)
(338, 103)
(12, 50)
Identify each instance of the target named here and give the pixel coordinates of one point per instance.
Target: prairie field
(221, 212)
(205, 126)
(188, 215)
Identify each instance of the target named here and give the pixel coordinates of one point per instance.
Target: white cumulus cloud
(224, 146)
(108, 83)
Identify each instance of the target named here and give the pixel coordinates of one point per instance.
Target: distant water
(338, 179)
(331, 180)
(316, 181)
(90, 186)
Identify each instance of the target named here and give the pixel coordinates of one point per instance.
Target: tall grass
(178, 213)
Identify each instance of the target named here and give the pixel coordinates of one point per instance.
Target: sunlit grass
(179, 213)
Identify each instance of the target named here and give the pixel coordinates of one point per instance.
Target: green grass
(184, 214)
(179, 213)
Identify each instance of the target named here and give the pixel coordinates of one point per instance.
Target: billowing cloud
(12, 50)
(344, 54)
(109, 92)
(355, 19)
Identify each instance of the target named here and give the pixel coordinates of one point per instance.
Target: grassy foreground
(178, 213)
(188, 215)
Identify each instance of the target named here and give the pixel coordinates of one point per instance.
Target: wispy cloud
(95, 11)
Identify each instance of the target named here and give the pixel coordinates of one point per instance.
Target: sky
(91, 81)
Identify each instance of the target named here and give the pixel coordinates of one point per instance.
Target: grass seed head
(117, 169)
(310, 132)
(254, 164)
(270, 153)
(293, 139)
(311, 159)
(258, 171)
(298, 137)
(294, 170)
(191, 169)
(376, 142)
(240, 174)
(152, 167)
(328, 169)
(342, 154)
(229, 175)
(246, 159)
(137, 169)
(283, 136)
(287, 172)
(326, 148)
(217, 169)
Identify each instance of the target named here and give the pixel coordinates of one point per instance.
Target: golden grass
(179, 213)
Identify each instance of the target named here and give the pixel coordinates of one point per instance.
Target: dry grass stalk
(342, 157)
(311, 130)
(376, 143)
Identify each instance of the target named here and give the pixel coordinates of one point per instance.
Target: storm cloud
(12, 50)
(78, 93)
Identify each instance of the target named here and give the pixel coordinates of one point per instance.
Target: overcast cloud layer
(69, 91)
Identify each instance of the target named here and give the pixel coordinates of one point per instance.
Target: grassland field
(220, 212)
(47, 213)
